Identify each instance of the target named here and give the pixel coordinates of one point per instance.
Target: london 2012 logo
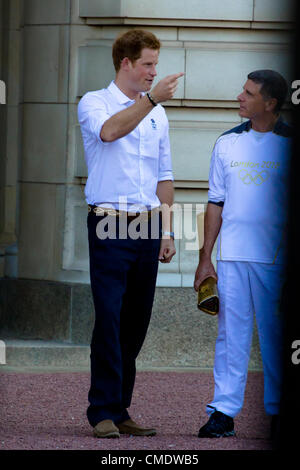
(2, 92)
(253, 176)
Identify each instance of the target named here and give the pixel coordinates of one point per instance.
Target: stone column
(10, 131)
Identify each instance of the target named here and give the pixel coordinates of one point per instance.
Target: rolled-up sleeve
(92, 114)
(165, 162)
(216, 191)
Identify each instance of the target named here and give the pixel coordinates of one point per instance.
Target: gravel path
(47, 411)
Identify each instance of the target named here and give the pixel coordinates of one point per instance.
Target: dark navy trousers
(123, 275)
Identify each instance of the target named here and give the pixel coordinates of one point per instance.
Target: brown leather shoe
(106, 428)
(130, 427)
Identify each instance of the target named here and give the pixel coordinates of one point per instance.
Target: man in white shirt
(130, 181)
(247, 208)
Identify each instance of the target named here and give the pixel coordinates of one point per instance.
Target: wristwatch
(170, 234)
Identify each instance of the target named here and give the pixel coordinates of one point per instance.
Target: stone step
(61, 316)
(49, 354)
(24, 354)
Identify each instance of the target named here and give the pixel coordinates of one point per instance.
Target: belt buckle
(99, 211)
(102, 211)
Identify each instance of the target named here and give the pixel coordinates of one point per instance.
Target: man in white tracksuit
(247, 211)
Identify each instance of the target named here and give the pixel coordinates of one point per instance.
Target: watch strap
(151, 99)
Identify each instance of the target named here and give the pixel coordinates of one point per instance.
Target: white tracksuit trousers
(245, 288)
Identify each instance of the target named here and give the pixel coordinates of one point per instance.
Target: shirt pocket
(150, 138)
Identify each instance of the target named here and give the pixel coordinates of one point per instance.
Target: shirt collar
(118, 94)
(276, 130)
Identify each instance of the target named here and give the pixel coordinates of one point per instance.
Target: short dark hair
(131, 43)
(273, 85)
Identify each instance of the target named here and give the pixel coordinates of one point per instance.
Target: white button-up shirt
(125, 172)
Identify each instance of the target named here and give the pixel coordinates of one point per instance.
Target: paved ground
(41, 411)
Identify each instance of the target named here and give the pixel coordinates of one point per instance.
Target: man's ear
(271, 104)
(126, 64)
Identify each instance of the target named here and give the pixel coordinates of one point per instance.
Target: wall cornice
(266, 14)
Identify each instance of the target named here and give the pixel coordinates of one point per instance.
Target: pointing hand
(165, 89)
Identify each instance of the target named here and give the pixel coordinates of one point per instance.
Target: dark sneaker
(218, 425)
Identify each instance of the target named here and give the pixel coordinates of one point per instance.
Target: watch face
(170, 234)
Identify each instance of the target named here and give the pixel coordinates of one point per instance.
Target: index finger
(176, 75)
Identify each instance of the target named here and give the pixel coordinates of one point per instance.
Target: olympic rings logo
(253, 176)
